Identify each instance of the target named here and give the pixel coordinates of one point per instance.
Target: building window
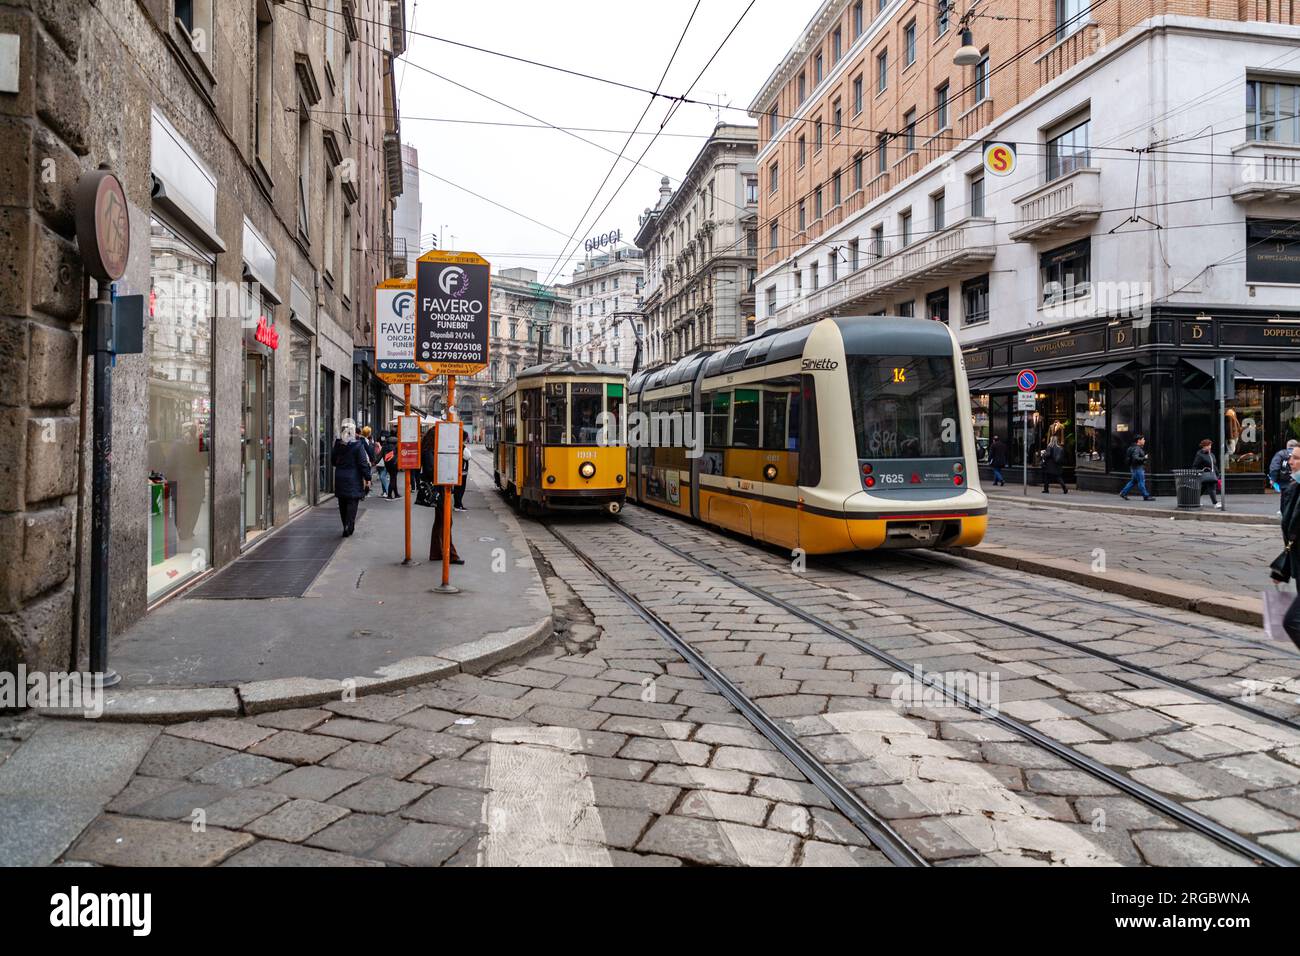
(772, 238)
(1272, 111)
(941, 108)
(1272, 250)
(817, 136)
(837, 119)
(263, 52)
(803, 152)
(1071, 15)
(909, 130)
(751, 189)
(803, 87)
(944, 15)
(937, 211)
(905, 227)
(977, 196)
(882, 161)
(751, 244)
(817, 203)
(816, 276)
(1066, 272)
(857, 19)
(982, 78)
(771, 301)
(837, 189)
(909, 44)
(345, 253)
(906, 309)
(817, 68)
(803, 216)
(179, 448)
(882, 71)
(878, 242)
(837, 45)
(772, 179)
(975, 300)
(833, 264)
(772, 123)
(1067, 151)
(857, 172)
(857, 94)
(196, 17)
(855, 260)
(304, 169)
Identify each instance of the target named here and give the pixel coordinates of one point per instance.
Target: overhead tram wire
(672, 110)
(577, 228)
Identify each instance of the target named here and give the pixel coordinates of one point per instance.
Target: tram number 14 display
(900, 375)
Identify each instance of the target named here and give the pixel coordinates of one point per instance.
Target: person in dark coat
(1291, 541)
(998, 459)
(388, 451)
(1204, 463)
(352, 467)
(1137, 467)
(435, 536)
(1053, 459)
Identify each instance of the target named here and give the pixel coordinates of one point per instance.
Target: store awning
(1258, 370)
(1064, 376)
(1101, 371)
(999, 383)
(1265, 370)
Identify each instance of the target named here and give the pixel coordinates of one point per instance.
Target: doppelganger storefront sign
(452, 311)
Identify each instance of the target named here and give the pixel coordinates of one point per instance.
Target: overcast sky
(548, 175)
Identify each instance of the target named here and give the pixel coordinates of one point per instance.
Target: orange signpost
(452, 310)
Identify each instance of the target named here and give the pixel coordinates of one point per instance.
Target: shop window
(300, 361)
(980, 425)
(1273, 250)
(1090, 438)
(1123, 422)
(1243, 427)
(180, 411)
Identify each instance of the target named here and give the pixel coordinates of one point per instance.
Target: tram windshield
(904, 406)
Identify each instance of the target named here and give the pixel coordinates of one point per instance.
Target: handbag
(1280, 569)
(425, 496)
(1276, 603)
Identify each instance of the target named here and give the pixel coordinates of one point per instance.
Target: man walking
(1137, 468)
(1053, 457)
(1279, 469)
(998, 459)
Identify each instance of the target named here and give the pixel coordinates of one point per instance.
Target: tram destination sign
(452, 308)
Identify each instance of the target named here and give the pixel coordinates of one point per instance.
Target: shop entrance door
(256, 435)
(326, 426)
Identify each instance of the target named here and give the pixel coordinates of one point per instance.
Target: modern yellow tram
(852, 433)
(556, 442)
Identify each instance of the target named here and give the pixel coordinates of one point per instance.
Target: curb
(1269, 521)
(177, 705)
(1163, 591)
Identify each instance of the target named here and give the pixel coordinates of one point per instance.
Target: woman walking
(352, 467)
(1053, 459)
(1204, 463)
(389, 451)
(1287, 564)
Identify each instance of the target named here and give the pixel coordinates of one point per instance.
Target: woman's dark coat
(351, 468)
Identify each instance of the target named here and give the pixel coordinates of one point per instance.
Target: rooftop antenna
(717, 105)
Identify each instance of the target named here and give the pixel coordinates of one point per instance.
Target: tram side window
(614, 408)
(745, 418)
(776, 407)
(585, 412)
(717, 409)
(511, 427)
(530, 411)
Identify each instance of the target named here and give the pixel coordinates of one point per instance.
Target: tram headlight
(587, 469)
(769, 473)
(550, 479)
(619, 479)
(958, 468)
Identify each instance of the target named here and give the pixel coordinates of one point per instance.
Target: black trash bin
(1187, 482)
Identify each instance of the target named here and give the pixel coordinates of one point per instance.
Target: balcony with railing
(1061, 204)
(1267, 172)
(963, 248)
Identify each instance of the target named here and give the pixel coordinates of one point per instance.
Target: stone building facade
(606, 293)
(519, 302)
(1147, 224)
(700, 247)
(255, 144)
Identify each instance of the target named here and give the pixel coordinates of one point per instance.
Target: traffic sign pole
(407, 473)
(1027, 382)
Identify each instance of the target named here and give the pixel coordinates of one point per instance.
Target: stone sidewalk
(1241, 509)
(366, 620)
(1215, 567)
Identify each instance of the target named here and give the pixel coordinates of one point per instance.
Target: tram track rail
(950, 561)
(878, 830)
(1156, 801)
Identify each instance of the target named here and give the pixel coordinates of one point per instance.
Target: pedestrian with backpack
(1137, 468)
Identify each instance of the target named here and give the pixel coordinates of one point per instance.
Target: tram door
(532, 416)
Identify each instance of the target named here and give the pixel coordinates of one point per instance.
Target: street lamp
(969, 54)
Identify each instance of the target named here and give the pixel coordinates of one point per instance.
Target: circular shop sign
(103, 225)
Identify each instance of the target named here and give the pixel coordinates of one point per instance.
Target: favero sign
(452, 306)
(395, 333)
